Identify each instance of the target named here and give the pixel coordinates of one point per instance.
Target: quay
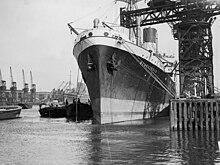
(194, 114)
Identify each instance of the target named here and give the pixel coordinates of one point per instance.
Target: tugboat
(53, 110)
(78, 111)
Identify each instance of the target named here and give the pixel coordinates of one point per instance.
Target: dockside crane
(60, 93)
(13, 88)
(191, 22)
(0, 78)
(59, 87)
(2, 83)
(33, 89)
(25, 89)
(2, 90)
(25, 97)
(13, 83)
(65, 86)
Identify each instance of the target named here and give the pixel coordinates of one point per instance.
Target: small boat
(78, 111)
(53, 110)
(9, 112)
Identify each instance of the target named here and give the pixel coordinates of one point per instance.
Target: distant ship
(125, 80)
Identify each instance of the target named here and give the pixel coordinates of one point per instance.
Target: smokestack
(150, 39)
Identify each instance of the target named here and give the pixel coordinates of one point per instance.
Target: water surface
(31, 140)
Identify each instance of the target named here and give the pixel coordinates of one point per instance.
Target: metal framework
(191, 22)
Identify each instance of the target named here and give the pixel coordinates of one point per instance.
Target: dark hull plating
(126, 92)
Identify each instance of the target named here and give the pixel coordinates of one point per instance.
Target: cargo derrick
(191, 22)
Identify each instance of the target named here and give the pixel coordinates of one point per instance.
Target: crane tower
(191, 22)
(13, 89)
(33, 89)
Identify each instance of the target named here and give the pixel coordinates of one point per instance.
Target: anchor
(112, 64)
(90, 65)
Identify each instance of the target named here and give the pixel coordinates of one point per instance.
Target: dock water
(34, 140)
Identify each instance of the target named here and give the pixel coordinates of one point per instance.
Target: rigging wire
(137, 76)
(150, 72)
(90, 13)
(104, 15)
(128, 70)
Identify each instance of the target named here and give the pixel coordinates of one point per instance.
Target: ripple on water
(34, 140)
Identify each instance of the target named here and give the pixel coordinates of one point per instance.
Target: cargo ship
(126, 80)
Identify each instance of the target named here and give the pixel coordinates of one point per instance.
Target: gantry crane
(191, 22)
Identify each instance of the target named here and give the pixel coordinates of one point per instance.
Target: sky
(34, 36)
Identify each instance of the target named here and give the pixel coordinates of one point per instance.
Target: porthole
(105, 34)
(90, 34)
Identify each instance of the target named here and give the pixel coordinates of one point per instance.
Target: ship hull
(122, 91)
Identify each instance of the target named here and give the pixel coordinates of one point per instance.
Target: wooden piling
(212, 117)
(190, 115)
(206, 116)
(173, 121)
(185, 115)
(217, 116)
(180, 116)
(194, 114)
(201, 115)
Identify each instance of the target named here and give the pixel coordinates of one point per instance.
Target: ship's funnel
(150, 41)
(95, 23)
